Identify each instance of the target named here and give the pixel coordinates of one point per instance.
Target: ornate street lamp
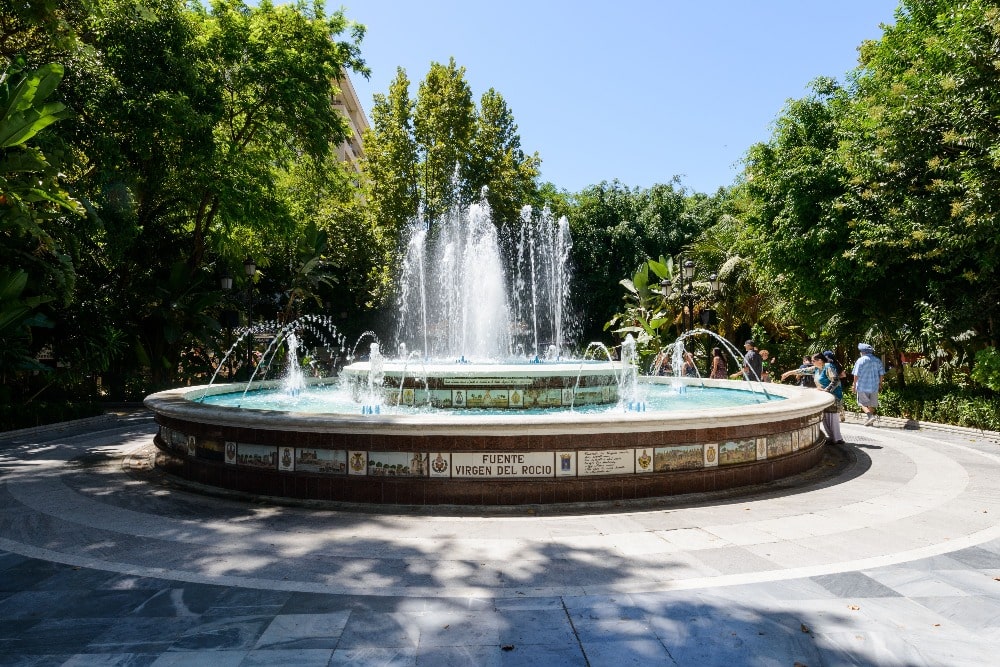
(250, 267)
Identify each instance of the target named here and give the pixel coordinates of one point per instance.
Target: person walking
(719, 365)
(753, 365)
(827, 378)
(868, 374)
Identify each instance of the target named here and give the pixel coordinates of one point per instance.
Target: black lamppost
(250, 267)
(687, 293)
(689, 297)
(708, 315)
(229, 316)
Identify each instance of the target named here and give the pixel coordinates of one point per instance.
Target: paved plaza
(887, 554)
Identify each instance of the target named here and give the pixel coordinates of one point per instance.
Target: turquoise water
(332, 399)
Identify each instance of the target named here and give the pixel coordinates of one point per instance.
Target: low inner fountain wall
(452, 459)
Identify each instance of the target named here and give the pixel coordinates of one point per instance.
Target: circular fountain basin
(513, 386)
(510, 457)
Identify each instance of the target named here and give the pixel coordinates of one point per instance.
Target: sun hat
(750, 342)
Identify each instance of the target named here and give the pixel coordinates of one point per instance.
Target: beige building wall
(347, 103)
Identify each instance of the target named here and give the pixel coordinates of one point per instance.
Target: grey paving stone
(383, 630)
(626, 652)
(314, 657)
(542, 655)
(854, 585)
(222, 634)
(536, 626)
(200, 659)
(143, 635)
(374, 657)
(454, 627)
(110, 660)
(303, 631)
(60, 636)
(182, 600)
(977, 558)
(459, 656)
(27, 573)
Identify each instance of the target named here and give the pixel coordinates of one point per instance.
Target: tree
(920, 143)
(33, 202)
(443, 126)
(497, 162)
(615, 226)
(391, 161)
(187, 129)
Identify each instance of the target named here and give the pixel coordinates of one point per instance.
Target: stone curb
(913, 425)
(58, 427)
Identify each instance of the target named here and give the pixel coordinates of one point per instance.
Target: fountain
(484, 405)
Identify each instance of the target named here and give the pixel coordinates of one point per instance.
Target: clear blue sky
(634, 90)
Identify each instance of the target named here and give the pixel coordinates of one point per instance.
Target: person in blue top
(868, 374)
(827, 377)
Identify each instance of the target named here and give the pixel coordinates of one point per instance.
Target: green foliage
(986, 370)
(18, 314)
(443, 127)
(497, 162)
(919, 144)
(440, 149)
(943, 404)
(391, 160)
(613, 227)
(647, 315)
(32, 202)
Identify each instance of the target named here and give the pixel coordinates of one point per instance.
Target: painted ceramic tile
(440, 464)
(761, 449)
(644, 459)
(357, 463)
(502, 464)
(210, 450)
(192, 445)
(606, 462)
(565, 464)
(458, 398)
(408, 395)
(286, 458)
(566, 398)
(779, 444)
(257, 456)
(331, 461)
(397, 464)
(738, 451)
(588, 395)
(711, 455)
(516, 398)
(231, 453)
(678, 457)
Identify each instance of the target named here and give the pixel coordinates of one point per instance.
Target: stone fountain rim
(798, 402)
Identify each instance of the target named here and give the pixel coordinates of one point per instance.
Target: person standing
(828, 379)
(805, 373)
(753, 365)
(868, 374)
(719, 365)
(689, 370)
(767, 365)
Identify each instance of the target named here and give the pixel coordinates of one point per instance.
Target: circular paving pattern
(896, 496)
